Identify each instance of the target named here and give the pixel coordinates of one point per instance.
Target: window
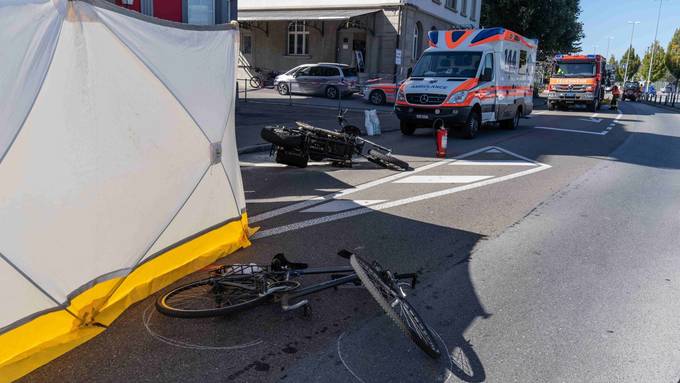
(298, 38)
(463, 8)
(417, 40)
(488, 64)
(246, 44)
(523, 61)
(452, 5)
(473, 10)
(201, 12)
(453, 64)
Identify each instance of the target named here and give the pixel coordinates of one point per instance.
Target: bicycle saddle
(280, 263)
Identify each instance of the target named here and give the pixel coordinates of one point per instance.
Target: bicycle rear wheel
(396, 306)
(215, 296)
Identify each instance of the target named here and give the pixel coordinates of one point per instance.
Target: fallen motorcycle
(296, 146)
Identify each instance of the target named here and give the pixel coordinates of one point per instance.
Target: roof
(304, 14)
(476, 37)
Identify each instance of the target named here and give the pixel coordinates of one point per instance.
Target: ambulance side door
(487, 88)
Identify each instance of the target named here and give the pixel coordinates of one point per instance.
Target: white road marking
(289, 198)
(309, 203)
(602, 133)
(329, 190)
(341, 205)
(571, 130)
(591, 119)
(441, 179)
(400, 202)
(491, 163)
(492, 150)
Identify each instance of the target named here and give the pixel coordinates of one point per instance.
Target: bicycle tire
(386, 161)
(167, 303)
(407, 318)
(256, 83)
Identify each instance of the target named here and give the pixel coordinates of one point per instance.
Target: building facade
(204, 12)
(381, 38)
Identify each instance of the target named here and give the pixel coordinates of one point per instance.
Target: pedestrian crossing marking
(341, 205)
(492, 163)
(441, 179)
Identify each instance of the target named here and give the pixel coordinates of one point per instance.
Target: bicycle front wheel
(396, 306)
(212, 297)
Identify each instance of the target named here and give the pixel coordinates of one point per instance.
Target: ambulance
(467, 78)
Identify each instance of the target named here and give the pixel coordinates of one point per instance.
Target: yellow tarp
(46, 337)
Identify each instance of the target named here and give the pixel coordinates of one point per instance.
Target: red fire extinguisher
(442, 138)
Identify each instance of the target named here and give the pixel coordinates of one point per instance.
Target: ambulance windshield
(448, 64)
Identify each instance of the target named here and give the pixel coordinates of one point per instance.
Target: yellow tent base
(48, 336)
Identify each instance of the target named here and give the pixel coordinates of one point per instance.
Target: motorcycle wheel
(386, 161)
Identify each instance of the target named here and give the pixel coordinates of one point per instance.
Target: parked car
(631, 91)
(328, 79)
(380, 93)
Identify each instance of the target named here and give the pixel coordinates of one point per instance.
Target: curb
(662, 106)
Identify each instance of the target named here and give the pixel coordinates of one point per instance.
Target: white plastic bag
(371, 122)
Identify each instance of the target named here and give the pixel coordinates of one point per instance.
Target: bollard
(290, 95)
(245, 90)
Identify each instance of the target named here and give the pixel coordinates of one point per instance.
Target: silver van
(328, 79)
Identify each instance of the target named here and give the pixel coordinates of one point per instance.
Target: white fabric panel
(210, 204)
(105, 160)
(28, 35)
(197, 66)
(18, 296)
(231, 164)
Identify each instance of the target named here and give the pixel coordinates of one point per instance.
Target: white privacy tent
(118, 166)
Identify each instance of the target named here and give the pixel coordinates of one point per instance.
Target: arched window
(417, 40)
(298, 38)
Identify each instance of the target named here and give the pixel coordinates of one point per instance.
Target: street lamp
(595, 49)
(630, 48)
(651, 62)
(609, 40)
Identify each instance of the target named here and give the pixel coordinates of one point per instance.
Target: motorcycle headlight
(458, 97)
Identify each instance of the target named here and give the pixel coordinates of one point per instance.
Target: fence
(663, 99)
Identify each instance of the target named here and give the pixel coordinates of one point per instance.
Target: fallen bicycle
(296, 146)
(233, 288)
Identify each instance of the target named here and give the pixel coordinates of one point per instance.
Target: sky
(604, 18)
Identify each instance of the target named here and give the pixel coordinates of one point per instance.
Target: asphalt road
(545, 254)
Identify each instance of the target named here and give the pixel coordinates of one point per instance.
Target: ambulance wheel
(472, 125)
(594, 106)
(406, 129)
(513, 123)
(551, 106)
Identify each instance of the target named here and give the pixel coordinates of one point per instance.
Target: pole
(651, 62)
(630, 48)
(609, 40)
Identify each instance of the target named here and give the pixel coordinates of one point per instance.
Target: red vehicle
(577, 79)
(631, 91)
(380, 93)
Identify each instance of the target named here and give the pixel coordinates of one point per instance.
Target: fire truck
(578, 79)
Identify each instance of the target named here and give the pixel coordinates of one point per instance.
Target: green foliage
(673, 55)
(633, 62)
(659, 65)
(612, 61)
(554, 23)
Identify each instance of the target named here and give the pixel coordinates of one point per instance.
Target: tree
(554, 23)
(673, 57)
(659, 65)
(615, 65)
(632, 61)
